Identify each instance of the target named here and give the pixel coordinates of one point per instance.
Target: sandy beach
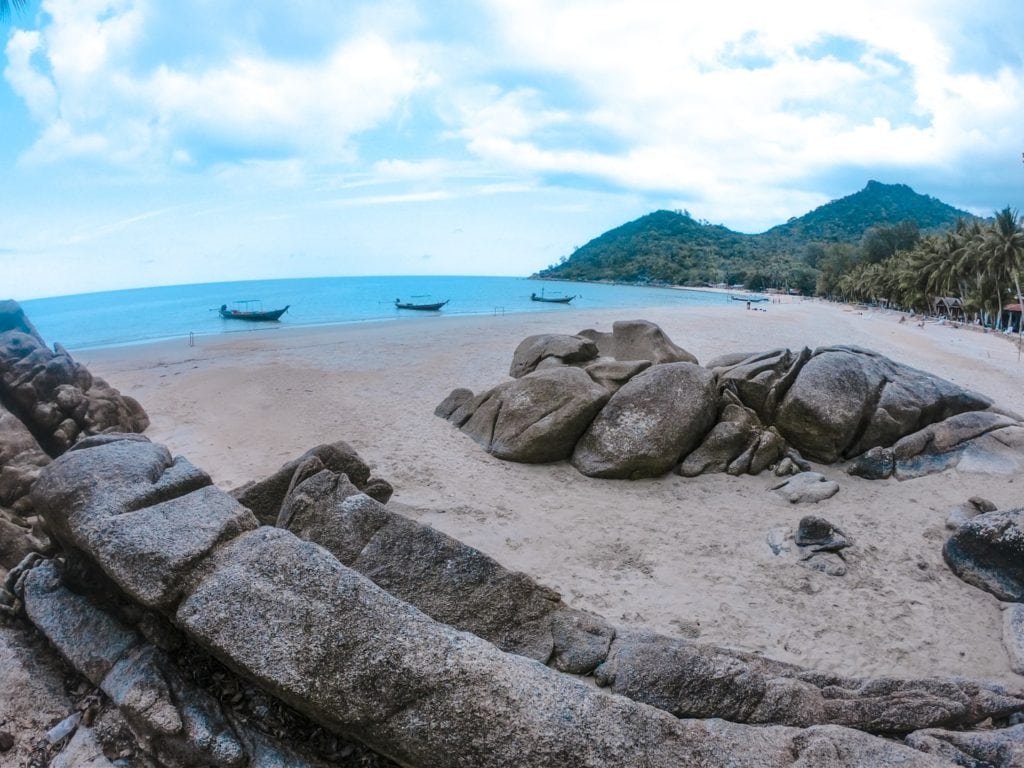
(686, 557)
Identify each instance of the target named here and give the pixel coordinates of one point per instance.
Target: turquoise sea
(147, 314)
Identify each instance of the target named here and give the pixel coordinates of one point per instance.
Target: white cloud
(83, 84)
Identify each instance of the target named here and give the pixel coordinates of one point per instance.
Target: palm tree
(1003, 248)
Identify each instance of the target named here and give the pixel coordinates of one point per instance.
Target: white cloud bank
(744, 112)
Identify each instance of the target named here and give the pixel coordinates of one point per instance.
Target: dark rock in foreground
(988, 552)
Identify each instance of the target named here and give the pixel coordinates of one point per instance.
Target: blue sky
(149, 142)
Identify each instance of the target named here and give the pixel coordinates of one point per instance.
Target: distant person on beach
(748, 305)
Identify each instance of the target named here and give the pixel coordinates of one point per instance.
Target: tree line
(975, 261)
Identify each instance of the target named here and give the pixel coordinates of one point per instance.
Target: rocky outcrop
(846, 400)
(174, 721)
(832, 404)
(638, 340)
(446, 579)
(464, 588)
(988, 552)
(694, 680)
(1002, 748)
(21, 460)
(561, 348)
(264, 497)
(738, 444)
(357, 659)
(58, 400)
(645, 428)
(537, 418)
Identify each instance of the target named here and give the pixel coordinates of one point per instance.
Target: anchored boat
(246, 311)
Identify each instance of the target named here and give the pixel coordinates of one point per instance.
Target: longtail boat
(399, 304)
(248, 314)
(551, 299)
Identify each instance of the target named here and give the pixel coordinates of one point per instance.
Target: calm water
(147, 314)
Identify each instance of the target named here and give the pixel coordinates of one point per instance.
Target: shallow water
(146, 314)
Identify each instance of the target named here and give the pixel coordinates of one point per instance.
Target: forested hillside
(673, 248)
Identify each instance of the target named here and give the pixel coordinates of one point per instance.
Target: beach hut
(1011, 316)
(948, 306)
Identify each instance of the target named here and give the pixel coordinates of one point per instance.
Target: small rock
(806, 487)
(778, 541)
(819, 535)
(874, 464)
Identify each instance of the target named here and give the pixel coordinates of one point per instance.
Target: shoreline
(687, 557)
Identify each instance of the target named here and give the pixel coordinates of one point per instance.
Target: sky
(151, 142)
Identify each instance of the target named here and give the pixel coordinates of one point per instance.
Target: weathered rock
(874, 464)
(656, 418)
(806, 488)
(612, 374)
(171, 719)
(847, 400)
(537, 418)
(728, 360)
(736, 429)
(643, 340)
(534, 349)
(13, 318)
(265, 497)
(18, 537)
(464, 412)
(760, 381)
(971, 508)
(819, 535)
(449, 581)
(20, 461)
(450, 404)
(151, 552)
(57, 399)
(694, 680)
(1000, 748)
(980, 441)
(988, 552)
(737, 444)
(360, 661)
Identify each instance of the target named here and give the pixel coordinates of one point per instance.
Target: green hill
(668, 247)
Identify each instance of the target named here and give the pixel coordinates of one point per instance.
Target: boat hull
(421, 307)
(546, 300)
(235, 314)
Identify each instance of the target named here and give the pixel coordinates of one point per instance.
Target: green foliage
(808, 254)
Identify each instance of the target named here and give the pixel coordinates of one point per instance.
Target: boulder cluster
(300, 621)
(48, 402)
(633, 404)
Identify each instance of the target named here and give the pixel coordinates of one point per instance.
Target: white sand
(683, 556)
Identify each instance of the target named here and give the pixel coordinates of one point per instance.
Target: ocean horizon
(141, 315)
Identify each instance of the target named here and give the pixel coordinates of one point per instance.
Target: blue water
(146, 314)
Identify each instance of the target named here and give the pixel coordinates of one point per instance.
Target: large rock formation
(462, 587)
(657, 417)
(537, 418)
(831, 404)
(58, 400)
(348, 654)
